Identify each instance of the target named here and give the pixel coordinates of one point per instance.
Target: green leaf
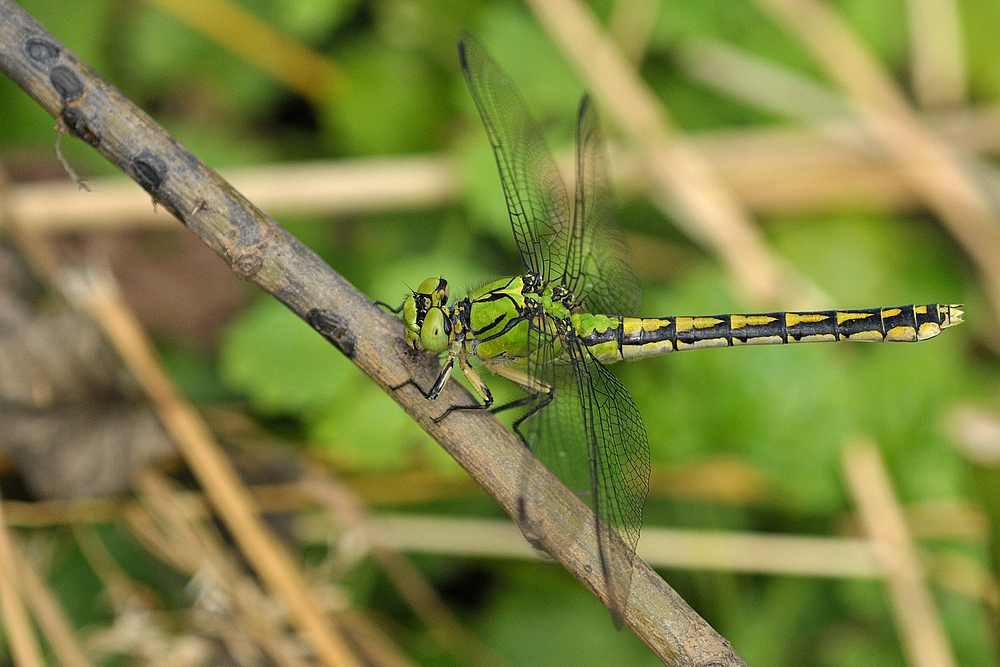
(287, 369)
(544, 617)
(281, 363)
(390, 102)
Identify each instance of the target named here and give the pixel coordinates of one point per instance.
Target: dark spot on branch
(77, 125)
(149, 170)
(247, 264)
(41, 51)
(66, 83)
(246, 245)
(332, 327)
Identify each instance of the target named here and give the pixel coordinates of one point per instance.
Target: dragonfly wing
(590, 408)
(536, 195)
(618, 454)
(575, 402)
(598, 269)
(555, 431)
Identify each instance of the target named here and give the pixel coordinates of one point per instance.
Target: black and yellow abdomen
(615, 338)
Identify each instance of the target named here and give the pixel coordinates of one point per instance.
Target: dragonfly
(554, 328)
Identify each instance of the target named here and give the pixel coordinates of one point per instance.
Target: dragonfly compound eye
(435, 331)
(436, 289)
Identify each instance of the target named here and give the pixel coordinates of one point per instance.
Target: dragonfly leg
(394, 311)
(549, 395)
(527, 400)
(442, 378)
(488, 404)
(532, 385)
(439, 383)
(477, 383)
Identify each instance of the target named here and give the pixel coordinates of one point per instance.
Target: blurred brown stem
(20, 634)
(305, 71)
(920, 628)
(50, 615)
(266, 554)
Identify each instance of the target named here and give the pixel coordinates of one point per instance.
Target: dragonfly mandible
(551, 329)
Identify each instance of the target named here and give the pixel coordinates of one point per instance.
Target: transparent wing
(598, 269)
(536, 195)
(555, 433)
(590, 410)
(586, 430)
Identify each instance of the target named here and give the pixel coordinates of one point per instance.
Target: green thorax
(498, 315)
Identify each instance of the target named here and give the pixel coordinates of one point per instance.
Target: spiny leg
(478, 384)
(442, 379)
(516, 426)
(516, 403)
(394, 311)
(533, 386)
(439, 383)
(521, 378)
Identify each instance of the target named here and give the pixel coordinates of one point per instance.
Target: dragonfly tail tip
(955, 314)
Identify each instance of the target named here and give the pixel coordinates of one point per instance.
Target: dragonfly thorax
(555, 301)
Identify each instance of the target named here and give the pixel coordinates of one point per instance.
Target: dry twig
(20, 635)
(922, 633)
(50, 615)
(174, 533)
(269, 558)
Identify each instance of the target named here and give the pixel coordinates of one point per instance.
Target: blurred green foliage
(784, 411)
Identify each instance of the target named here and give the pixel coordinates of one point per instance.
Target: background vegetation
(764, 425)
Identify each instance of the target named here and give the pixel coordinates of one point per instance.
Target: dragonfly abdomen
(614, 338)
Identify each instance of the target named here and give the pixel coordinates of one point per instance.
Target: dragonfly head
(428, 326)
